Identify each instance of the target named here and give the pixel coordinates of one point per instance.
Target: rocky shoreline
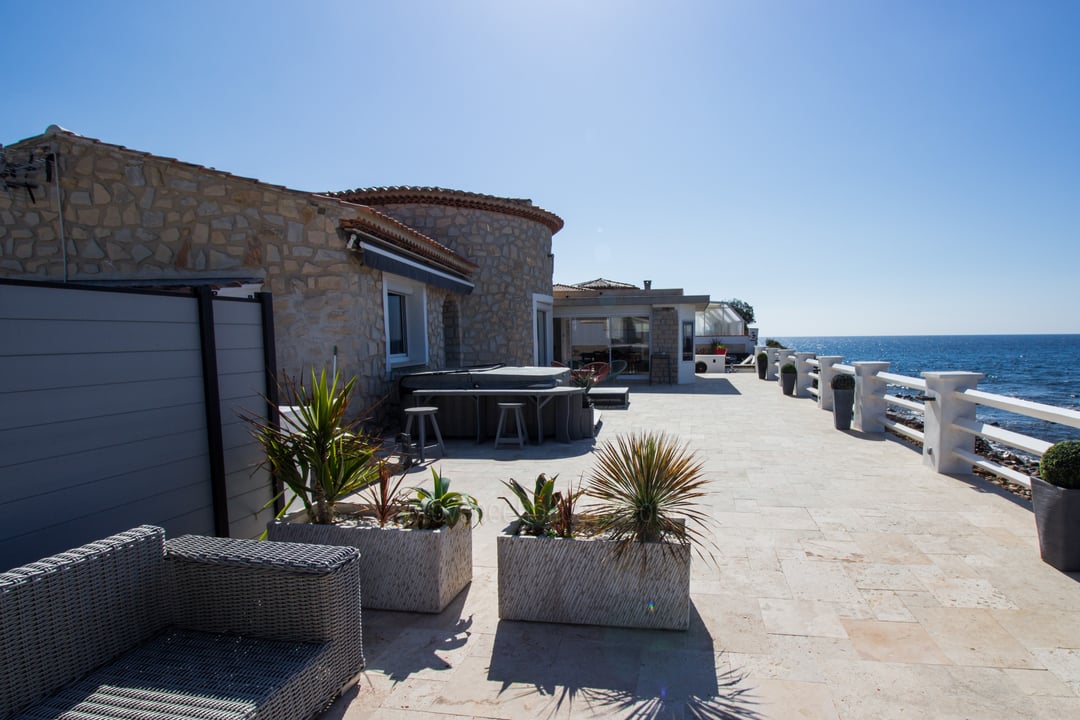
(1028, 465)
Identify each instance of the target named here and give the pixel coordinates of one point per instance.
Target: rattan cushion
(183, 674)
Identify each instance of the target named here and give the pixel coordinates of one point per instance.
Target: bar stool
(424, 411)
(505, 408)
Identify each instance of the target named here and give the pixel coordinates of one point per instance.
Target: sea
(1039, 368)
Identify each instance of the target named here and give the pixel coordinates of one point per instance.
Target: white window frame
(416, 340)
(545, 303)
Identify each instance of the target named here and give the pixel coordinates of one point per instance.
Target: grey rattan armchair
(199, 627)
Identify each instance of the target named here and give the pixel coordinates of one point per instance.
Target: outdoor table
(539, 396)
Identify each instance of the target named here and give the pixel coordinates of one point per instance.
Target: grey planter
(1057, 520)
(761, 368)
(400, 569)
(787, 383)
(843, 402)
(584, 582)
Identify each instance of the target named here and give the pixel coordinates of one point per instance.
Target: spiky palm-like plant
(318, 455)
(646, 487)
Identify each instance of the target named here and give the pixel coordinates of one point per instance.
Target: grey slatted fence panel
(242, 386)
(102, 424)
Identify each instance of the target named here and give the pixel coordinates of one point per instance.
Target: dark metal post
(212, 398)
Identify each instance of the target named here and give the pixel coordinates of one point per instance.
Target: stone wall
(514, 259)
(129, 216)
(665, 336)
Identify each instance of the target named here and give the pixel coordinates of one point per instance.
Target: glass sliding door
(630, 339)
(579, 341)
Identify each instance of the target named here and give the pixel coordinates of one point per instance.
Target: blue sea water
(1040, 368)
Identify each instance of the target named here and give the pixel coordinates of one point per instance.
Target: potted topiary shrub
(625, 560)
(322, 459)
(843, 390)
(762, 361)
(1055, 498)
(787, 378)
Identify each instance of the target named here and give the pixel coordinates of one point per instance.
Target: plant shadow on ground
(615, 671)
(401, 644)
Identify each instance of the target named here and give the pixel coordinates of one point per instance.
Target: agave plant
(318, 455)
(438, 507)
(647, 488)
(537, 508)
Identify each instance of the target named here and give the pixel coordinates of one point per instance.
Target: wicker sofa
(197, 627)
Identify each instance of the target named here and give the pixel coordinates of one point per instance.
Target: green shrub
(842, 382)
(763, 356)
(788, 369)
(1060, 465)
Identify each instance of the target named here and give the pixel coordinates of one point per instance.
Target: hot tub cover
(487, 377)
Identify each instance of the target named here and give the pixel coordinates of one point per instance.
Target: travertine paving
(848, 581)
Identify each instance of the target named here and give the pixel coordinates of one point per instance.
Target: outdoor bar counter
(468, 400)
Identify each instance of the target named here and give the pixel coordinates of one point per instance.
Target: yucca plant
(438, 507)
(319, 455)
(647, 488)
(537, 507)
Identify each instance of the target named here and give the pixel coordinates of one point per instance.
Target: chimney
(648, 284)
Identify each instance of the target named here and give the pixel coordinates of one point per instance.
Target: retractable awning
(382, 258)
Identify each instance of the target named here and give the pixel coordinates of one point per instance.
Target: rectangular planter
(400, 569)
(585, 582)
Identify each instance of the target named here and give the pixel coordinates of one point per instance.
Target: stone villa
(393, 280)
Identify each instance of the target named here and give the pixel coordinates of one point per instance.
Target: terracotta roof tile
(408, 239)
(404, 194)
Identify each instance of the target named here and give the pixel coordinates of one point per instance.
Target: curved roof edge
(404, 194)
(405, 237)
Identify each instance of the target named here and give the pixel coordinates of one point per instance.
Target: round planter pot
(787, 383)
(1057, 519)
(843, 401)
(760, 370)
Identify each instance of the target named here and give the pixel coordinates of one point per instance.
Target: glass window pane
(397, 327)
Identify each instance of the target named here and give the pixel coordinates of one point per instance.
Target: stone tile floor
(848, 581)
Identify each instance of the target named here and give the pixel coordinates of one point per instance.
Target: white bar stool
(424, 411)
(505, 408)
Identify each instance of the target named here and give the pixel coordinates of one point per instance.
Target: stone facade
(135, 218)
(515, 262)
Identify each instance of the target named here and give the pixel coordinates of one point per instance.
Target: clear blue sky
(846, 167)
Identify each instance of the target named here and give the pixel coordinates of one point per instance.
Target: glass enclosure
(579, 341)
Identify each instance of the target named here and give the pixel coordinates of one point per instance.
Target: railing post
(940, 436)
(772, 367)
(802, 373)
(825, 376)
(870, 397)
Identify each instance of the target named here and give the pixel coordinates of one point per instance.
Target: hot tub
(467, 400)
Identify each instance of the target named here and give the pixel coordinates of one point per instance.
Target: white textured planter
(400, 569)
(584, 582)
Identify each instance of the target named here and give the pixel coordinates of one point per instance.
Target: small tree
(743, 308)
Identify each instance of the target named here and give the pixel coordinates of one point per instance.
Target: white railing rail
(947, 402)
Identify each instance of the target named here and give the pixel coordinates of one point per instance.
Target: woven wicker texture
(69, 613)
(408, 570)
(586, 582)
(182, 674)
(269, 630)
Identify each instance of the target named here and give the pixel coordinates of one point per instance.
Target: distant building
(648, 329)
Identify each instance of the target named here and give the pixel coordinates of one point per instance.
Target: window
(397, 324)
(405, 315)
